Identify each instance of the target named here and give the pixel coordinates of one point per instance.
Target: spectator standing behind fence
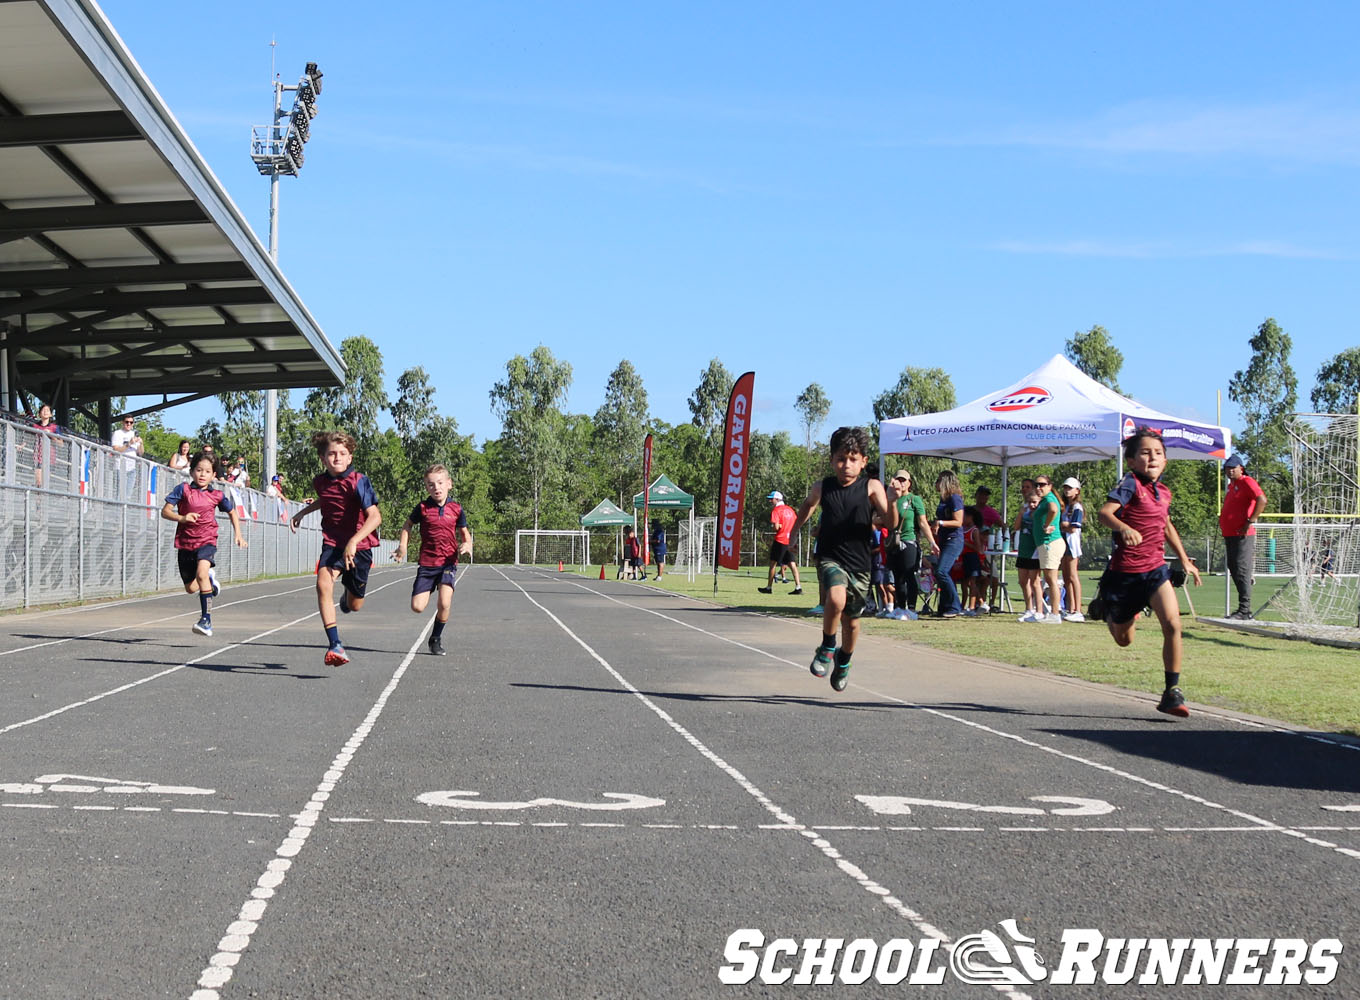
(179, 461)
(44, 451)
(782, 517)
(126, 440)
(1242, 505)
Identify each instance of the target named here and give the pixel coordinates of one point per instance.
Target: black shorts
(356, 579)
(972, 564)
(188, 560)
(780, 554)
(430, 578)
(881, 576)
(1026, 562)
(1127, 594)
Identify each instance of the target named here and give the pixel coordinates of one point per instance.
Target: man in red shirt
(782, 517)
(1242, 505)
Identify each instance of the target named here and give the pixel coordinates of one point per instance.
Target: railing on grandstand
(80, 521)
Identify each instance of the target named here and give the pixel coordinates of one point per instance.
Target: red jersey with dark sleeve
(1145, 507)
(782, 517)
(438, 531)
(343, 500)
(188, 498)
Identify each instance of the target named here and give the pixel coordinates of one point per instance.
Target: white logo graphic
(900, 805)
(82, 784)
(969, 959)
(465, 800)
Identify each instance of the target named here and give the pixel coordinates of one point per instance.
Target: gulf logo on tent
(1021, 399)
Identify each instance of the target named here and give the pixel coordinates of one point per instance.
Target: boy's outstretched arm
(1174, 538)
(402, 540)
(372, 518)
(814, 498)
(236, 528)
(296, 519)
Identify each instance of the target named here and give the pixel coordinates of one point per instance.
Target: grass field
(1297, 682)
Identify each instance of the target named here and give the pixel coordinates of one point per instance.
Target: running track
(596, 787)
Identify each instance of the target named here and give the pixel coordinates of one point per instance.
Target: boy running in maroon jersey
(349, 526)
(193, 506)
(444, 536)
(1138, 511)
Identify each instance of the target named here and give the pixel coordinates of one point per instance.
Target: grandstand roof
(125, 269)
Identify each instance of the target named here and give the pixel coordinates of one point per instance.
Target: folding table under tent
(1056, 413)
(665, 495)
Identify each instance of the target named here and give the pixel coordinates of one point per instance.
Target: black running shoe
(765, 590)
(1173, 703)
(795, 592)
(821, 660)
(436, 647)
(840, 677)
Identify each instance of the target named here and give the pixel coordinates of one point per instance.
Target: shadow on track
(1281, 760)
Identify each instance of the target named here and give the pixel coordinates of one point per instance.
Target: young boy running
(193, 506)
(1138, 511)
(349, 525)
(444, 536)
(848, 502)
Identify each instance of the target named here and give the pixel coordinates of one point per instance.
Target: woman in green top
(904, 558)
(1026, 565)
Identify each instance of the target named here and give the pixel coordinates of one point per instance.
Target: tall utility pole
(277, 150)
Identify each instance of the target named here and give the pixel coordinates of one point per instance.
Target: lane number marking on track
(84, 784)
(469, 800)
(901, 805)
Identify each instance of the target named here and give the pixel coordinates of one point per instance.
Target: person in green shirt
(1049, 545)
(904, 554)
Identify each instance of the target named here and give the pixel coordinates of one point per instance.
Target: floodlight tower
(277, 150)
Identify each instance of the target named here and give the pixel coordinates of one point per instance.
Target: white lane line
(166, 618)
(1296, 832)
(1344, 744)
(170, 670)
(821, 843)
(238, 934)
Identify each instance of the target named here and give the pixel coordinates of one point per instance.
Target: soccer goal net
(548, 548)
(1318, 546)
(694, 552)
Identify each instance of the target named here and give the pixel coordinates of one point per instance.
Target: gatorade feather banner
(732, 479)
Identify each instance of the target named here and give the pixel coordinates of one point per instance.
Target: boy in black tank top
(848, 501)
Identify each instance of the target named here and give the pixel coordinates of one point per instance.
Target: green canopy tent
(665, 495)
(606, 514)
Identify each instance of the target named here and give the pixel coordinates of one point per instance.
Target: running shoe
(840, 677)
(1173, 703)
(971, 613)
(883, 613)
(212, 578)
(765, 590)
(795, 591)
(1050, 619)
(1028, 616)
(336, 655)
(344, 603)
(203, 626)
(1074, 616)
(821, 660)
(816, 611)
(436, 646)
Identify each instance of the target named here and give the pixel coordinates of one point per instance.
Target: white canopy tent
(1056, 413)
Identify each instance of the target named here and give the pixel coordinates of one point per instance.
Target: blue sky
(819, 192)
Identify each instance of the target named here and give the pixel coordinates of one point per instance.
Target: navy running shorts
(429, 578)
(1127, 594)
(356, 579)
(189, 558)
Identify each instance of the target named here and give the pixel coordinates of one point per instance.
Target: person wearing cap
(1242, 505)
(1073, 514)
(1048, 545)
(782, 517)
(914, 536)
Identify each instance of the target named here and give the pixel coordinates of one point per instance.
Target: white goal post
(547, 548)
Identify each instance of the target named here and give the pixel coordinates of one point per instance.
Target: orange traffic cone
(559, 565)
(601, 571)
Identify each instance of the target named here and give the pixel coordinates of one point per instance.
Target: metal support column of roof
(125, 269)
